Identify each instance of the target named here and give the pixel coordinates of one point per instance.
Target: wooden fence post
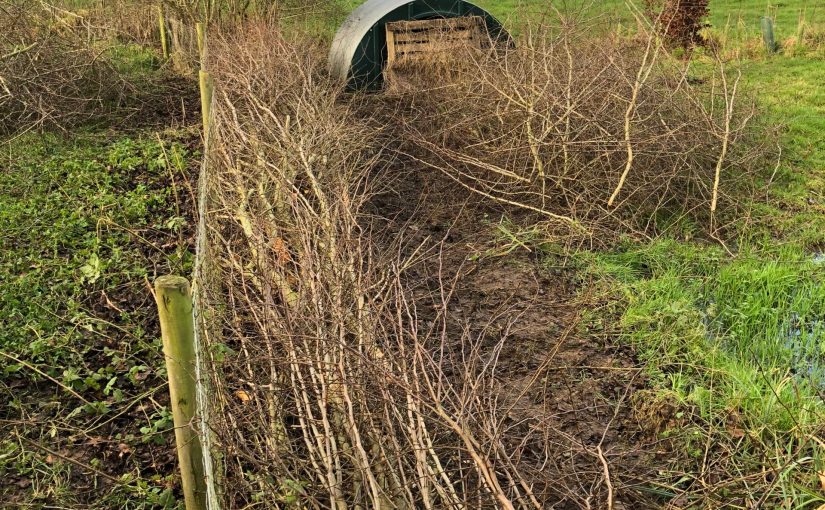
(164, 44)
(201, 41)
(207, 86)
(177, 328)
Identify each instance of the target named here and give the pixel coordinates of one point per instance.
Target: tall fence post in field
(174, 300)
(207, 85)
(164, 43)
(767, 34)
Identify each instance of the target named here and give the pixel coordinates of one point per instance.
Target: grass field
(736, 14)
(736, 342)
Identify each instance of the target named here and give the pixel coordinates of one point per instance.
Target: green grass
(746, 12)
(744, 15)
(756, 316)
(737, 346)
(85, 223)
(790, 95)
(791, 91)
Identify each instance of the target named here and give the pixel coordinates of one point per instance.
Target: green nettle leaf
(175, 223)
(166, 498)
(10, 369)
(221, 351)
(70, 376)
(109, 385)
(91, 270)
(96, 408)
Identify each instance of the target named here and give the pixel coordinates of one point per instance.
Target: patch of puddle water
(802, 343)
(806, 343)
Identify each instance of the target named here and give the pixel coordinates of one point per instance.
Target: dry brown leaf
(736, 433)
(243, 396)
(279, 246)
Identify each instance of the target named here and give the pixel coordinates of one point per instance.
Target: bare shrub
(236, 11)
(589, 132)
(809, 40)
(51, 75)
(331, 389)
(288, 165)
(132, 21)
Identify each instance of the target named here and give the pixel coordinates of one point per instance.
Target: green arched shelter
(359, 49)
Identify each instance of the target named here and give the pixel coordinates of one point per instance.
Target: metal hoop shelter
(359, 49)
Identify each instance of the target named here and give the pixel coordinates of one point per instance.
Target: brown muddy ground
(565, 388)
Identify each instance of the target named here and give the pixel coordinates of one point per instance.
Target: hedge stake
(164, 44)
(201, 41)
(177, 327)
(207, 87)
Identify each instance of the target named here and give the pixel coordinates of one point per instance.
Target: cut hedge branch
(730, 97)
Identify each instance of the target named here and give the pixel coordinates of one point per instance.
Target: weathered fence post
(177, 328)
(201, 41)
(207, 87)
(767, 34)
(164, 43)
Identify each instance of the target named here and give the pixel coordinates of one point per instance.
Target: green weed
(85, 224)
